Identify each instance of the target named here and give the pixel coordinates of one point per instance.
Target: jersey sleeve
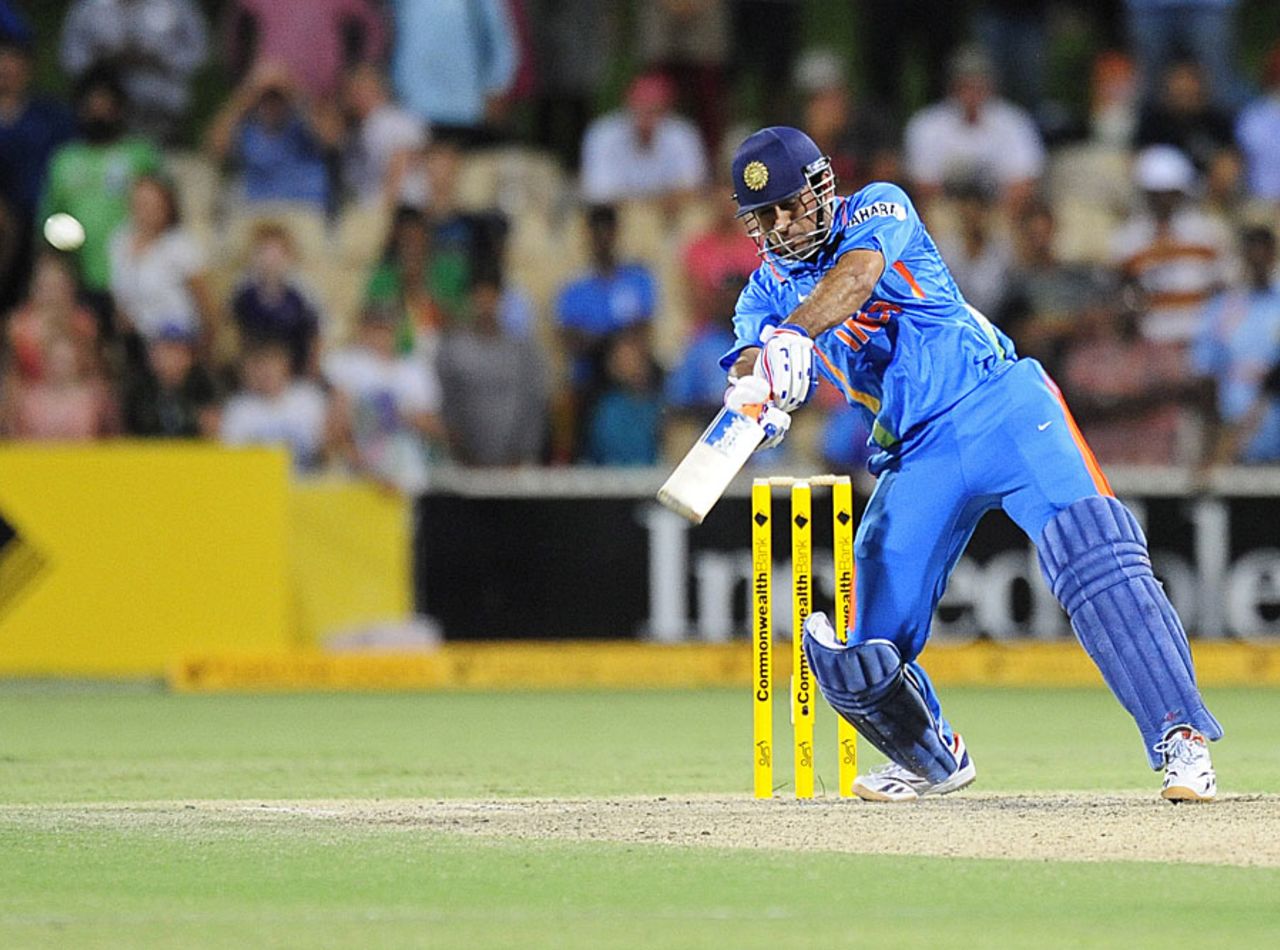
(883, 219)
(755, 310)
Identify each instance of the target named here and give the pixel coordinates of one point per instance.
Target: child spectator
(423, 287)
(270, 304)
(71, 401)
(625, 425)
(280, 143)
(495, 386)
(174, 397)
(157, 268)
(272, 408)
(386, 404)
(91, 179)
(52, 310)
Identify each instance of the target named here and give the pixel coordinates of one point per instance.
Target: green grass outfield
(71, 880)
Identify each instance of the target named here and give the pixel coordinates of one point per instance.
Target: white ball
(63, 232)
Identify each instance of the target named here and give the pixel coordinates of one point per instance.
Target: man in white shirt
(974, 134)
(644, 150)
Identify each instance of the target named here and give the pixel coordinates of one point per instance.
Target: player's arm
(840, 293)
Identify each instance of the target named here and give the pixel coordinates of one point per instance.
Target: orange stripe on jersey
(854, 395)
(847, 340)
(1090, 462)
(905, 273)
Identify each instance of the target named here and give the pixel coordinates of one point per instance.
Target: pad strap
(867, 685)
(1094, 556)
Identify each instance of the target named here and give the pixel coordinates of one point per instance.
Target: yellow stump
(801, 605)
(762, 637)
(845, 576)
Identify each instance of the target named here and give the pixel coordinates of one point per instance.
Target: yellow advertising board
(116, 558)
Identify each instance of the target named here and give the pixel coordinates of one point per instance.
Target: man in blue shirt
(1237, 345)
(854, 290)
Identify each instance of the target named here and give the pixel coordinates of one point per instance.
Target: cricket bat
(706, 471)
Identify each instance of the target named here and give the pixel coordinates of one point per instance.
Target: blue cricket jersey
(914, 349)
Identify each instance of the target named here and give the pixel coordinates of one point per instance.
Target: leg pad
(1095, 558)
(867, 685)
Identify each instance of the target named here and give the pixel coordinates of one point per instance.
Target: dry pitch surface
(1241, 830)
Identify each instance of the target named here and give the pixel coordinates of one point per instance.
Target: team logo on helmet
(755, 176)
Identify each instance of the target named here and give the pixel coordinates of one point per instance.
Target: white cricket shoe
(894, 783)
(1188, 770)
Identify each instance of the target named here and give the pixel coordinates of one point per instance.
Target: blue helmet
(772, 167)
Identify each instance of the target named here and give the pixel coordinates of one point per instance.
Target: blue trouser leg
(914, 529)
(1092, 552)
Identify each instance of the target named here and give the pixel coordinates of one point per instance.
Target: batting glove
(750, 396)
(786, 364)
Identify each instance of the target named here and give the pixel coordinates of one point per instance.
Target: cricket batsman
(854, 289)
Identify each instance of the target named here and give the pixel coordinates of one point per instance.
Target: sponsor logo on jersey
(879, 209)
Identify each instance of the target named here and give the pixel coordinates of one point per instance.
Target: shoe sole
(1181, 793)
(962, 779)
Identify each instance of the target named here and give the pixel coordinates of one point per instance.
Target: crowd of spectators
(365, 258)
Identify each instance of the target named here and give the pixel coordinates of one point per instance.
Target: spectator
(644, 150)
(927, 31)
(453, 63)
(279, 142)
(697, 382)
(423, 287)
(1258, 134)
(495, 386)
(1127, 391)
(717, 255)
(1047, 298)
(1237, 346)
(1015, 34)
(270, 304)
(688, 41)
(572, 72)
(154, 45)
(860, 143)
(1170, 250)
(272, 408)
(974, 134)
(979, 259)
(381, 134)
(51, 311)
(31, 130)
(70, 401)
(1185, 118)
(625, 424)
(1160, 30)
(386, 404)
(1113, 100)
(91, 179)
(174, 396)
(157, 268)
(612, 297)
(315, 40)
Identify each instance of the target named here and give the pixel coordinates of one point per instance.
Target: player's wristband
(792, 328)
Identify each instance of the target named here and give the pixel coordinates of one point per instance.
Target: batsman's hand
(786, 364)
(749, 395)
